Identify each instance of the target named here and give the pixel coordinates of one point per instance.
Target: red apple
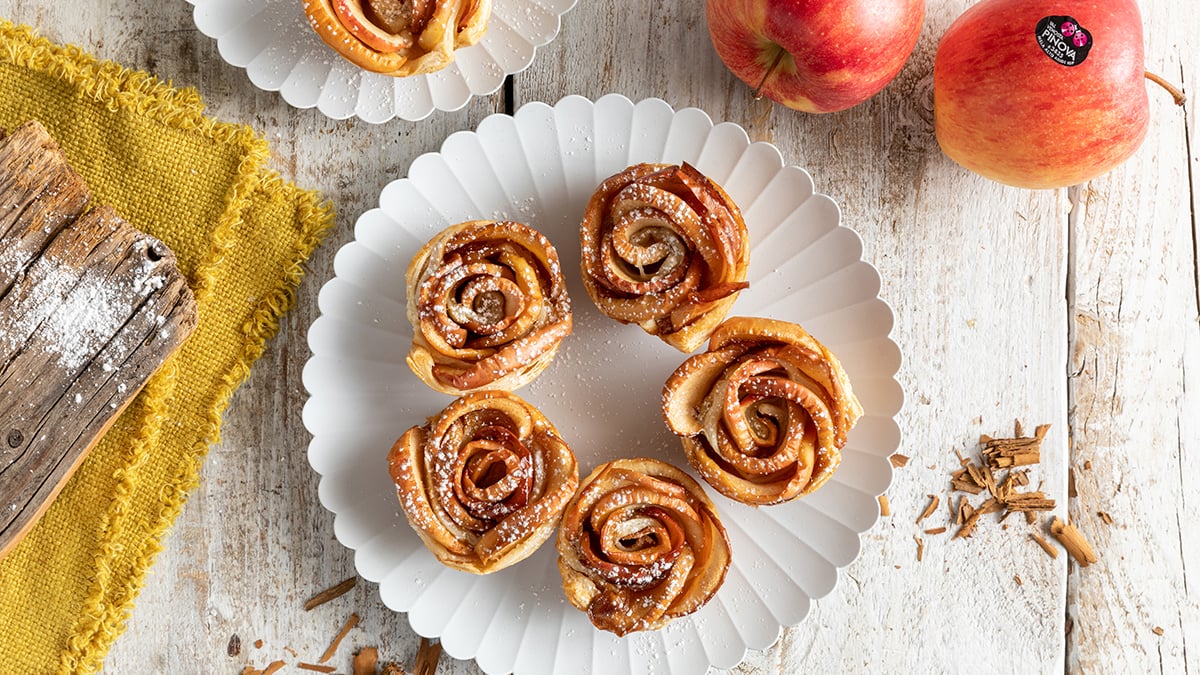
(1041, 94)
(815, 55)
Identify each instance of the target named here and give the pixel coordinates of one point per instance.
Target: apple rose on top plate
(666, 248)
(640, 545)
(484, 482)
(398, 37)
(488, 304)
(764, 412)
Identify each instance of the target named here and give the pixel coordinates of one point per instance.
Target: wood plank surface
(1010, 304)
(91, 309)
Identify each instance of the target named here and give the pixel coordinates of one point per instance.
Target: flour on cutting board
(72, 316)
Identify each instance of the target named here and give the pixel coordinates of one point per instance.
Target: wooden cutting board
(89, 309)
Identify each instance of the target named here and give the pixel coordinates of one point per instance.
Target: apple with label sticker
(1040, 94)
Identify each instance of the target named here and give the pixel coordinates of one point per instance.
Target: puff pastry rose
(764, 412)
(666, 248)
(640, 545)
(488, 305)
(398, 37)
(484, 482)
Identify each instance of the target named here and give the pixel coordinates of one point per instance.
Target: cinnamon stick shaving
(1157, 630)
(972, 518)
(1004, 453)
(898, 460)
(1072, 540)
(884, 508)
(428, 655)
(330, 593)
(936, 530)
(392, 668)
(1053, 552)
(1105, 517)
(1017, 578)
(365, 661)
(920, 547)
(316, 667)
(963, 481)
(337, 639)
(933, 504)
(1005, 490)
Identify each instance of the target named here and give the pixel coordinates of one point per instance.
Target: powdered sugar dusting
(72, 316)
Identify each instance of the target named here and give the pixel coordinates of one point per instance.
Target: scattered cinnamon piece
(1105, 517)
(428, 655)
(1045, 545)
(1031, 517)
(920, 547)
(365, 661)
(274, 667)
(235, 645)
(1157, 630)
(964, 509)
(968, 526)
(337, 639)
(250, 670)
(330, 593)
(1004, 453)
(1072, 540)
(1017, 578)
(258, 644)
(392, 668)
(884, 508)
(933, 504)
(936, 530)
(898, 460)
(1087, 465)
(316, 667)
(1029, 501)
(1071, 491)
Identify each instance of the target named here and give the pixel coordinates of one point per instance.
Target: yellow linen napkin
(240, 234)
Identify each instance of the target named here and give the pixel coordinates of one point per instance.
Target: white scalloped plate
(603, 389)
(272, 40)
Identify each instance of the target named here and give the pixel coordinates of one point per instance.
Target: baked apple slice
(353, 15)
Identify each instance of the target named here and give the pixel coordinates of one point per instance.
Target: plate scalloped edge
(280, 53)
(823, 260)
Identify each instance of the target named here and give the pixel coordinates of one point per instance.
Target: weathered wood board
(89, 309)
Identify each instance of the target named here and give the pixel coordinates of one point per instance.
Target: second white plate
(272, 40)
(602, 391)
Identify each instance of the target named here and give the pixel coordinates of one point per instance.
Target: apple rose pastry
(488, 305)
(484, 482)
(640, 545)
(665, 248)
(398, 37)
(764, 412)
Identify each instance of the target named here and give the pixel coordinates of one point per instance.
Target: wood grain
(1009, 304)
(91, 309)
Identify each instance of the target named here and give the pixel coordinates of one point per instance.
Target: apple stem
(758, 93)
(1157, 79)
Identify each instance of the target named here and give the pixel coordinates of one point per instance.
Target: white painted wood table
(1074, 307)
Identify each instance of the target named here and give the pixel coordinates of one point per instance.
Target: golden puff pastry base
(640, 545)
(763, 413)
(489, 307)
(454, 24)
(484, 482)
(665, 248)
